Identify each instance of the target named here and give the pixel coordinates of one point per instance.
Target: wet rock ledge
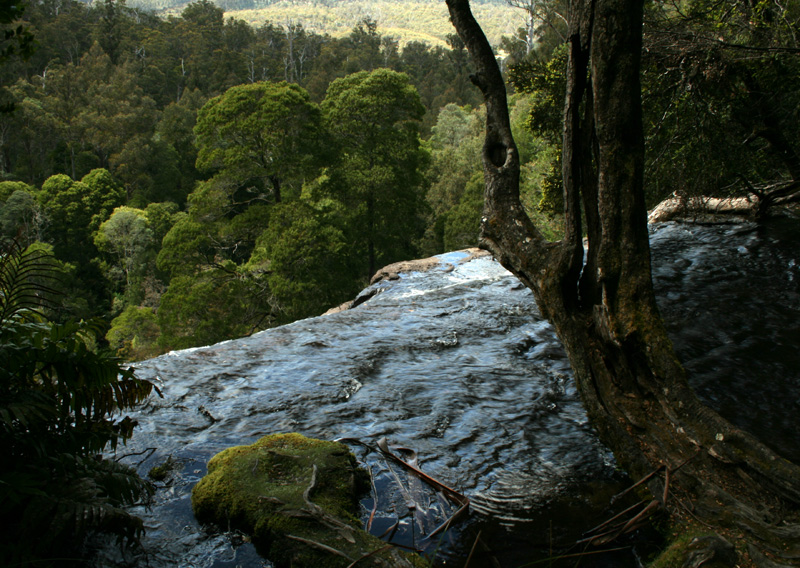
(297, 498)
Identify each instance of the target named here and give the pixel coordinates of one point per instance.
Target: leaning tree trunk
(601, 301)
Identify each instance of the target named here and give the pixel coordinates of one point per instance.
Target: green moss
(160, 472)
(674, 554)
(685, 540)
(259, 489)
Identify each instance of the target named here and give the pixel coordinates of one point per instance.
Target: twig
(376, 551)
(646, 478)
(458, 498)
(637, 520)
(575, 555)
(452, 493)
(472, 550)
(604, 524)
(445, 525)
(391, 530)
(374, 501)
(319, 545)
(148, 451)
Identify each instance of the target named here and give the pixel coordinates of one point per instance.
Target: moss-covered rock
(298, 498)
(692, 546)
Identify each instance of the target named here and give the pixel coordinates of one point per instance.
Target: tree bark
(602, 306)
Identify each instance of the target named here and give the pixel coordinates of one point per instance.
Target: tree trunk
(603, 306)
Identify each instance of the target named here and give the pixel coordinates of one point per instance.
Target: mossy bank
(298, 499)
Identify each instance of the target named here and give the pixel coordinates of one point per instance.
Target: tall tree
(260, 138)
(125, 237)
(546, 21)
(603, 306)
(374, 121)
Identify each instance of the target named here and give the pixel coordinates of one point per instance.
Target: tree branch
(506, 230)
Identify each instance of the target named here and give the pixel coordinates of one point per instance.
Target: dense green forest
(193, 178)
(201, 179)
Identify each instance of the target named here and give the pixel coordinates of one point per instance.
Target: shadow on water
(458, 364)
(730, 296)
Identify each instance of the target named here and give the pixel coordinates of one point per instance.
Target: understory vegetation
(59, 399)
(193, 178)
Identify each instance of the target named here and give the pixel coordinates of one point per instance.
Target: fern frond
(24, 274)
(58, 405)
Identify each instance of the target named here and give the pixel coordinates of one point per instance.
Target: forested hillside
(404, 20)
(198, 178)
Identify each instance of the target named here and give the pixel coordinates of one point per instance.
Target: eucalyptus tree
(601, 301)
(126, 237)
(373, 118)
(546, 23)
(261, 138)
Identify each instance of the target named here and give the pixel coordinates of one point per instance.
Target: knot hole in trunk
(497, 154)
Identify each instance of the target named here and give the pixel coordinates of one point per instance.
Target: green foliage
(260, 137)
(58, 406)
(9, 187)
(462, 222)
(721, 86)
(456, 174)
(77, 208)
(134, 334)
(374, 119)
(546, 82)
(211, 307)
(160, 219)
(455, 143)
(305, 258)
(185, 247)
(21, 216)
(126, 237)
(104, 195)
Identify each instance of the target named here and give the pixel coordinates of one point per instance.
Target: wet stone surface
(457, 363)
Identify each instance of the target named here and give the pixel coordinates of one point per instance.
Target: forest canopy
(193, 167)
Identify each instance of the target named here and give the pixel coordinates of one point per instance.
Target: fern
(24, 278)
(58, 402)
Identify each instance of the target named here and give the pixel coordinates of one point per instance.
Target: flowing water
(458, 364)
